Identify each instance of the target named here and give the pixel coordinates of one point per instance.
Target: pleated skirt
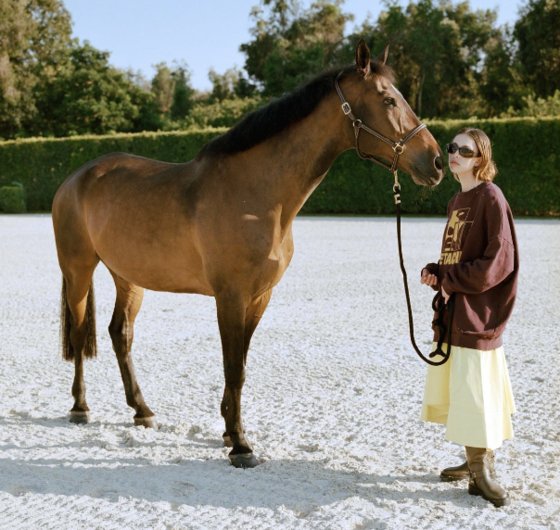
(471, 394)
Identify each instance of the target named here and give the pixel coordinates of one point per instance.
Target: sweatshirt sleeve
(479, 275)
(497, 261)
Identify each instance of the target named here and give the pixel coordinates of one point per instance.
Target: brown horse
(221, 224)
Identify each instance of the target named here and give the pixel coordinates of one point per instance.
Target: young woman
(477, 275)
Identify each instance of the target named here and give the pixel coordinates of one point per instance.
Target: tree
(538, 40)
(172, 91)
(291, 45)
(501, 85)
(265, 34)
(437, 50)
(88, 96)
(163, 88)
(35, 35)
(183, 93)
(222, 84)
(230, 84)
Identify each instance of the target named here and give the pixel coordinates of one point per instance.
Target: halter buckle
(398, 148)
(346, 108)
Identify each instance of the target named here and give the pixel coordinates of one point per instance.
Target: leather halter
(398, 146)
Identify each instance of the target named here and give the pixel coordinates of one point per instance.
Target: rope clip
(396, 188)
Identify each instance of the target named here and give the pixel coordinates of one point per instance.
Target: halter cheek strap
(398, 146)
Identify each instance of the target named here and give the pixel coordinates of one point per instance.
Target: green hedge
(41, 165)
(525, 151)
(12, 199)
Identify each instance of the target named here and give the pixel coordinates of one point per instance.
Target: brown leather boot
(480, 481)
(461, 472)
(450, 474)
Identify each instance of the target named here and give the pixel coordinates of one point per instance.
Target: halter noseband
(398, 147)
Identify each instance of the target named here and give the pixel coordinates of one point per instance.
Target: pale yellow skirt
(471, 394)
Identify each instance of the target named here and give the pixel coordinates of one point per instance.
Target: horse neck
(298, 159)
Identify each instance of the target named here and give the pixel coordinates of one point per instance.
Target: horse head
(385, 128)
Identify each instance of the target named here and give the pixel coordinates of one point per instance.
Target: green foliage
(537, 107)
(437, 50)
(51, 85)
(182, 94)
(221, 113)
(229, 85)
(291, 45)
(525, 152)
(163, 88)
(538, 40)
(87, 96)
(12, 199)
(172, 93)
(501, 86)
(450, 61)
(33, 38)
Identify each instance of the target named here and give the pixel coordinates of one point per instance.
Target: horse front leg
(253, 315)
(231, 320)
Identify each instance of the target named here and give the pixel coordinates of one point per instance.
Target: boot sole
(498, 503)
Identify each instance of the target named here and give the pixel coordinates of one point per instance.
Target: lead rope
(437, 304)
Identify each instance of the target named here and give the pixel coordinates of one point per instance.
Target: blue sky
(204, 34)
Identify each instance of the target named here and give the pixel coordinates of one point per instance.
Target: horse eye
(389, 101)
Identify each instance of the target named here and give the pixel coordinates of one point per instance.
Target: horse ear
(384, 55)
(363, 58)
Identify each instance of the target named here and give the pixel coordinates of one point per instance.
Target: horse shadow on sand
(299, 485)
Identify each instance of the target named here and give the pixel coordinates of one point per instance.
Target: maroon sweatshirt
(479, 264)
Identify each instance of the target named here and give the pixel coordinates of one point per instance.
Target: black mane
(266, 122)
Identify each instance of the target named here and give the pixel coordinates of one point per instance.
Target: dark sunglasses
(464, 151)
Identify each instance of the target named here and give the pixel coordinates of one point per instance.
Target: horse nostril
(438, 162)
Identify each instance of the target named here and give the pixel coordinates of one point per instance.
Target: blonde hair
(487, 169)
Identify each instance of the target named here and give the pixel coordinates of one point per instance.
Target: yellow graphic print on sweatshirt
(453, 239)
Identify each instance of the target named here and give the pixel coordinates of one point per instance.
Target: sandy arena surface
(331, 403)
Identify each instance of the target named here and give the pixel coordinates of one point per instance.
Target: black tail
(90, 346)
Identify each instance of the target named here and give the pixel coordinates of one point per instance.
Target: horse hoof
(243, 460)
(79, 417)
(149, 422)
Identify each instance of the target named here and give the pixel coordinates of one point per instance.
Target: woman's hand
(428, 279)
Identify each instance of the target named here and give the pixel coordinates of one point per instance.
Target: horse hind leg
(121, 329)
(78, 332)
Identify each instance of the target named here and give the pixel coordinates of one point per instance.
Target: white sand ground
(331, 403)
